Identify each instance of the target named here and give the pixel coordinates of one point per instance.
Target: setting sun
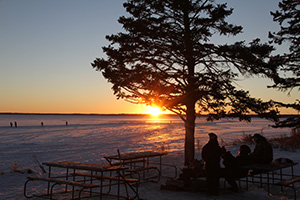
(154, 111)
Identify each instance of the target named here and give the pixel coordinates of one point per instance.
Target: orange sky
(47, 47)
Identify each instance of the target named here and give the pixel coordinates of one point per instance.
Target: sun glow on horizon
(154, 111)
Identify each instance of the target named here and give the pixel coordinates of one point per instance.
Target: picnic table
(85, 176)
(140, 162)
(269, 174)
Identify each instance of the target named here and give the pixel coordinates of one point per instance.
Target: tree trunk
(189, 148)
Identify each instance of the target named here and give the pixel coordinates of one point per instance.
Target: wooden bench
(168, 165)
(290, 183)
(114, 178)
(57, 182)
(143, 169)
(133, 168)
(269, 174)
(132, 181)
(128, 163)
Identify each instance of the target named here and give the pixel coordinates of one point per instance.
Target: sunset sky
(46, 48)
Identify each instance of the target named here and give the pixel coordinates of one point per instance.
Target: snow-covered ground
(90, 138)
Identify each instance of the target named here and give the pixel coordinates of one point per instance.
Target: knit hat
(212, 136)
(256, 135)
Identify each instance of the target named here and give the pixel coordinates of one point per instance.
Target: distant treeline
(82, 114)
(92, 114)
(121, 114)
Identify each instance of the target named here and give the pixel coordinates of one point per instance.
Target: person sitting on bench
(263, 151)
(233, 170)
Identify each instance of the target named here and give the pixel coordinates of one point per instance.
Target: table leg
(281, 179)
(160, 161)
(268, 183)
(122, 175)
(101, 185)
(73, 187)
(247, 183)
(261, 183)
(119, 179)
(91, 182)
(49, 175)
(67, 177)
(144, 173)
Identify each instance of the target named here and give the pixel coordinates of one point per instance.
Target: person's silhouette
(211, 154)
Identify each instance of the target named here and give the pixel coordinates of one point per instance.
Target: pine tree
(288, 17)
(166, 58)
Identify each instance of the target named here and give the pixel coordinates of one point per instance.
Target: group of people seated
(212, 154)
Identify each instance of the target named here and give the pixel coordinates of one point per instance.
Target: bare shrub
(284, 142)
(14, 167)
(288, 143)
(163, 147)
(246, 139)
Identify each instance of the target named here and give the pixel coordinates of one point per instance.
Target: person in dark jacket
(263, 151)
(233, 165)
(211, 154)
(243, 159)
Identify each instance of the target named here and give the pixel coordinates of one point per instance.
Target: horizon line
(113, 114)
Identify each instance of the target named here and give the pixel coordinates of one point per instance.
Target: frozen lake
(88, 138)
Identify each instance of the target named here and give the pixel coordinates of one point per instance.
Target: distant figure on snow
(211, 154)
(16, 125)
(42, 123)
(263, 151)
(66, 123)
(11, 124)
